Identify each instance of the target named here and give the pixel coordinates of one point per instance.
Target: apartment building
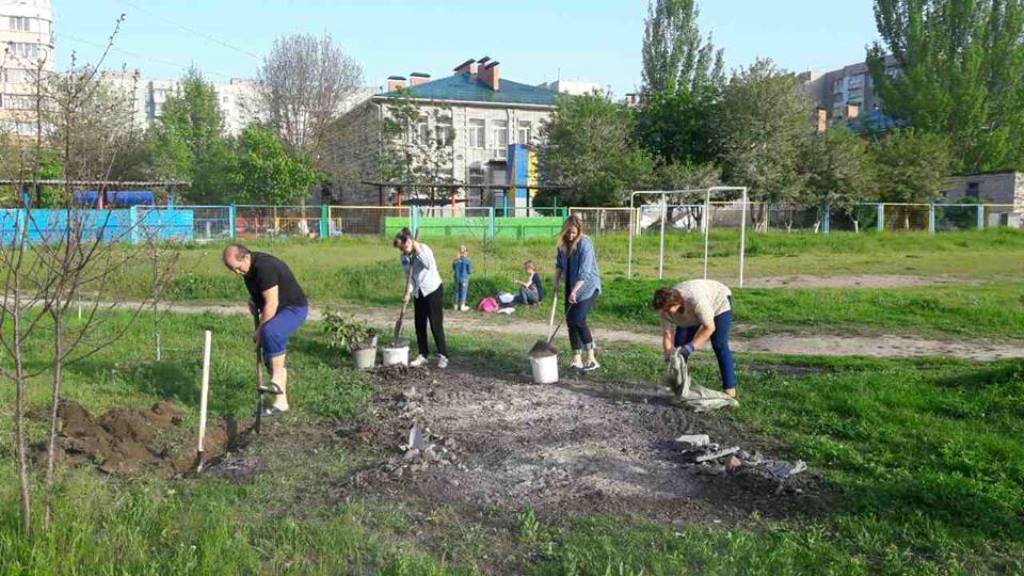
(466, 120)
(848, 90)
(26, 49)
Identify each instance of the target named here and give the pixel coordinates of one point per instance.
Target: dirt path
(846, 281)
(885, 346)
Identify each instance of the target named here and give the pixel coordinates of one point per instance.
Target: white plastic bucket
(364, 359)
(545, 369)
(398, 356)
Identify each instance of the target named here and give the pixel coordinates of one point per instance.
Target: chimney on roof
(467, 67)
(490, 77)
(482, 62)
(417, 78)
(822, 120)
(396, 83)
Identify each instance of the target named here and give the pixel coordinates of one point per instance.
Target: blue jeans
(720, 344)
(527, 296)
(580, 336)
(461, 291)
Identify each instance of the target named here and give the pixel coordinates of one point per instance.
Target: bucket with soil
(544, 364)
(395, 354)
(364, 356)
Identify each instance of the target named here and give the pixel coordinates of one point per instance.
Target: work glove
(687, 350)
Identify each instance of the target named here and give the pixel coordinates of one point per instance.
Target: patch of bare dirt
(849, 281)
(126, 441)
(580, 447)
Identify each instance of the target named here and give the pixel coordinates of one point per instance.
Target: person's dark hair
(239, 250)
(403, 236)
(665, 297)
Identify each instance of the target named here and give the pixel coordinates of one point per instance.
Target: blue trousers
(720, 344)
(580, 336)
(461, 291)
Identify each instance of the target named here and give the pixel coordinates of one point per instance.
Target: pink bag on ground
(488, 304)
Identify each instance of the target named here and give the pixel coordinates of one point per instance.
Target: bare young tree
(53, 256)
(304, 83)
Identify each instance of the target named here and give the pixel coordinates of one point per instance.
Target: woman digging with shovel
(577, 261)
(427, 294)
(692, 313)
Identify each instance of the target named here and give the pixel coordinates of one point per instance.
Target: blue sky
(535, 40)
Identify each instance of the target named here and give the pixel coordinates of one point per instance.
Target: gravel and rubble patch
(499, 441)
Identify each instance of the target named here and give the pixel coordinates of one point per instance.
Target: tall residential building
(848, 89)
(26, 48)
(574, 87)
(466, 123)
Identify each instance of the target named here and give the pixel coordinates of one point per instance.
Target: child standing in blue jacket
(462, 267)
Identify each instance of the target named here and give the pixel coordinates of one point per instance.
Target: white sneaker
(418, 362)
(465, 308)
(442, 361)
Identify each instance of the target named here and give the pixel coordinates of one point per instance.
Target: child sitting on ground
(462, 268)
(531, 291)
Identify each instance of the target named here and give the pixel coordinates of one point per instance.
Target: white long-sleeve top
(425, 277)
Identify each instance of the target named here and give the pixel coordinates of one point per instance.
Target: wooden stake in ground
(204, 393)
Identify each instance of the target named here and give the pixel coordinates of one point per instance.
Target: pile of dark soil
(129, 440)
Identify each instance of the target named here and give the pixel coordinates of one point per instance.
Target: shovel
(544, 347)
(259, 379)
(408, 285)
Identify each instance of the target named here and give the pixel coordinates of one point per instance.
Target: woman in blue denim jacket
(577, 261)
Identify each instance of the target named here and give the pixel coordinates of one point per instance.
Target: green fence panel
(437, 227)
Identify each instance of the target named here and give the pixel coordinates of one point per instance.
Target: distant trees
(187, 142)
(959, 65)
(761, 122)
(264, 173)
(304, 81)
(590, 148)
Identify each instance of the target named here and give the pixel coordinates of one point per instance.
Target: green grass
(922, 460)
(365, 271)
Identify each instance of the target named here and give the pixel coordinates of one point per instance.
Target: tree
(304, 83)
(910, 167)
(416, 142)
(674, 57)
(838, 171)
(761, 121)
(96, 131)
(683, 80)
(264, 172)
(589, 148)
(958, 70)
(188, 141)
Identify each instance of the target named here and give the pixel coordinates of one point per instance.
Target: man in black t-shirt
(276, 297)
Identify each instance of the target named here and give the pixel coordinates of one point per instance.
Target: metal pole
(707, 229)
(632, 230)
(661, 248)
(931, 218)
(981, 217)
(743, 236)
(881, 217)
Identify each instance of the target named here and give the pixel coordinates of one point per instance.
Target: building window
(24, 50)
(501, 138)
(477, 134)
(20, 24)
(443, 134)
(422, 134)
(973, 190)
(476, 176)
(16, 102)
(525, 135)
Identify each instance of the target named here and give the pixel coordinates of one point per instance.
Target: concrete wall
(1002, 188)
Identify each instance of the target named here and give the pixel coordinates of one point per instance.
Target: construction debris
(712, 459)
